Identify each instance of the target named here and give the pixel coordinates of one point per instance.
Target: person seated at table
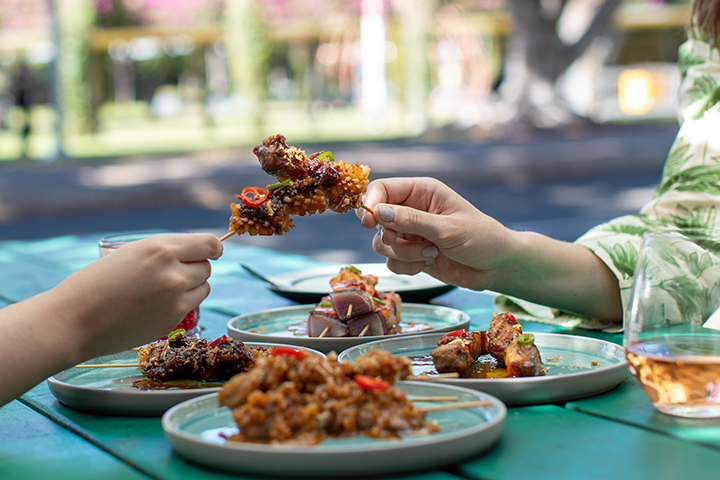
(134, 296)
(425, 226)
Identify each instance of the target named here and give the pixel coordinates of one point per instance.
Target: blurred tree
(536, 56)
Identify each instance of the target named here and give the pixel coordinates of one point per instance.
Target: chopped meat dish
(187, 358)
(504, 340)
(306, 185)
(291, 397)
(355, 308)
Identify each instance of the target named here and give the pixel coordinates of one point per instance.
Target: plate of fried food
(518, 368)
(296, 415)
(149, 380)
(353, 312)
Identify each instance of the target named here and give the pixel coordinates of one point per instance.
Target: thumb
(409, 220)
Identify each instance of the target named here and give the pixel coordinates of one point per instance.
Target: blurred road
(556, 183)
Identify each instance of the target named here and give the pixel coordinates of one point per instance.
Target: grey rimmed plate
(194, 430)
(309, 286)
(571, 373)
(278, 325)
(110, 390)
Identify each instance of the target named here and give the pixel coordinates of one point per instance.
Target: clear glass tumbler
(672, 334)
(110, 243)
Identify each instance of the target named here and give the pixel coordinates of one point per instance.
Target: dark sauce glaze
(484, 367)
(148, 384)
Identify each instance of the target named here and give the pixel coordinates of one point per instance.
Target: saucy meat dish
(504, 341)
(188, 358)
(355, 308)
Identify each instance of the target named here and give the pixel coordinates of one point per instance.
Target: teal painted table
(613, 435)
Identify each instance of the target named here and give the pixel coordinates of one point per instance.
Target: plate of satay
(518, 368)
(354, 312)
(149, 380)
(295, 415)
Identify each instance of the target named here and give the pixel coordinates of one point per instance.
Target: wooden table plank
(559, 443)
(140, 442)
(628, 404)
(34, 447)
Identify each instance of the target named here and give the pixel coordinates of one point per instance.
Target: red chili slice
(287, 351)
(371, 383)
(218, 340)
(253, 197)
(512, 317)
(456, 333)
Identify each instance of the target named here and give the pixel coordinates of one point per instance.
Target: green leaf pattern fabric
(687, 198)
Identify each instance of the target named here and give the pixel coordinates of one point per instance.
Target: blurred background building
(99, 78)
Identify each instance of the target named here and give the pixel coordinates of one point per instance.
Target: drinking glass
(110, 243)
(672, 335)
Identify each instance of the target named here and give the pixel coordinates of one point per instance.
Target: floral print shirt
(687, 198)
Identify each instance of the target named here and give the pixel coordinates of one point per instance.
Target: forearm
(558, 274)
(33, 344)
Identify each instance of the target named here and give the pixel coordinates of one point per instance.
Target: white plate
(308, 286)
(569, 377)
(193, 429)
(110, 390)
(272, 326)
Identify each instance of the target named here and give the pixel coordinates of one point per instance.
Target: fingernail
(382, 234)
(386, 213)
(430, 251)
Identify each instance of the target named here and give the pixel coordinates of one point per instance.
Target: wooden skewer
(227, 235)
(366, 208)
(452, 406)
(103, 365)
(324, 332)
(433, 377)
(434, 399)
(349, 312)
(364, 330)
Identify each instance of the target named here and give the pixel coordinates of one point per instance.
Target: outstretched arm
(134, 296)
(426, 226)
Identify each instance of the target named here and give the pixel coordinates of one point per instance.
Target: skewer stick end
(227, 235)
(366, 208)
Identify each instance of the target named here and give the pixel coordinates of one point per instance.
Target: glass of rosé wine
(672, 331)
(110, 243)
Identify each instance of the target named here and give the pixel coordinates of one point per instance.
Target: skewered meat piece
(188, 358)
(523, 360)
(457, 353)
(503, 330)
(302, 400)
(308, 185)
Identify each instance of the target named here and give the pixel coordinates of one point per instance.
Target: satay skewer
(227, 235)
(364, 330)
(452, 406)
(105, 365)
(322, 334)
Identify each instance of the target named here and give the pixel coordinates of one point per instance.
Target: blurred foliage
(74, 19)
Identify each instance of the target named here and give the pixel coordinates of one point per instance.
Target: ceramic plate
(309, 286)
(193, 428)
(110, 390)
(569, 359)
(276, 326)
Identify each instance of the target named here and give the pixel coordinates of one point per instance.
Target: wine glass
(672, 335)
(110, 243)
